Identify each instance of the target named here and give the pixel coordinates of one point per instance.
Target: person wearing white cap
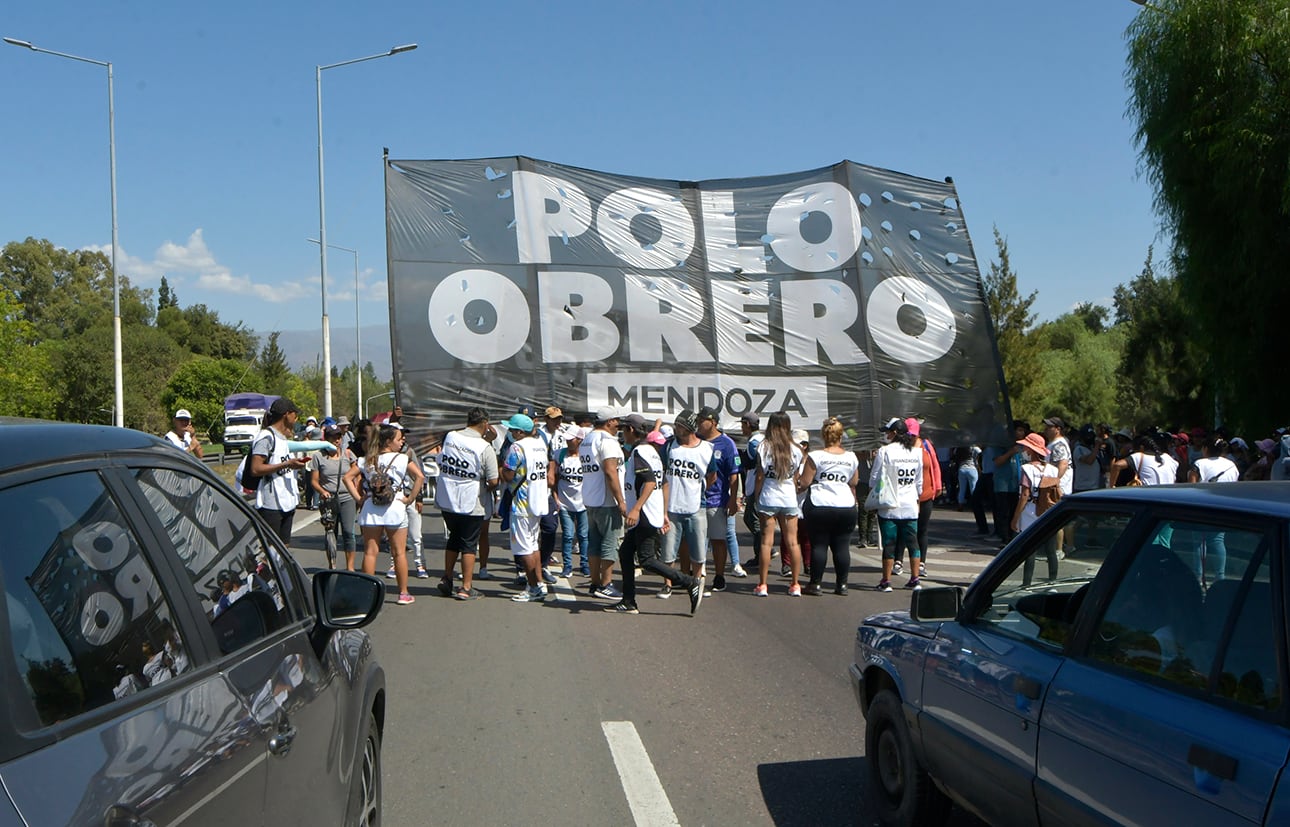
(182, 435)
(602, 494)
(568, 495)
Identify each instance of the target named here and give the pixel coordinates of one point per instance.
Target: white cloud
(193, 263)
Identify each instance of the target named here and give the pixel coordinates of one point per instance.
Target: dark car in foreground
(1121, 662)
(164, 659)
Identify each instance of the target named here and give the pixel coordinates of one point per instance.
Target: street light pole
(370, 398)
(322, 216)
(358, 329)
(118, 406)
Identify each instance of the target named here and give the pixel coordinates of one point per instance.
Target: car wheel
(906, 795)
(364, 808)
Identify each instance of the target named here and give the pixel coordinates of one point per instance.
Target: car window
(1042, 591)
(227, 558)
(88, 622)
(1195, 608)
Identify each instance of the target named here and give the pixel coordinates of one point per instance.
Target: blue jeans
(573, 523)
(691, 528)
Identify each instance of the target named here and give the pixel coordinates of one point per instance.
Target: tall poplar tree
(1209, 88)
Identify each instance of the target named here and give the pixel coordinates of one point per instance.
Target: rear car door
(1174, 712)
(986, 676)
(257, 616)
(118, 716)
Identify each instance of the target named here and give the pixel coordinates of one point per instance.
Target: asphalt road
(506, 713)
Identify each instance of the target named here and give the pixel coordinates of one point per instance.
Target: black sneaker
(467, 594)
(719, 583)
(785, 571)
(812, 589)
(622, 609)
(665, 592)
(840, 588)
(696, 595)
(445, 588)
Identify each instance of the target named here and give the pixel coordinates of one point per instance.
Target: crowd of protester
(613, 491)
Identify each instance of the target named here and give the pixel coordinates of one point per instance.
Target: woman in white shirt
(1154, 466)
(899, 463)
(1036, 469)
(779, 469)
(385, 455)
(830, 505)
(1211, 555)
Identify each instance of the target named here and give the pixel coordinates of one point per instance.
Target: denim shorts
(779, 511)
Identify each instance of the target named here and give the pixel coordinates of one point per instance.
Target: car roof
(26, 442)
(1265, 498)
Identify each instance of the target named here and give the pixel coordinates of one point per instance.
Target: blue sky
(1021, 102)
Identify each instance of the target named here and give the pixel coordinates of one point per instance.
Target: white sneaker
(738, 571)
(897, 568)
(391, 573)
(533, 595)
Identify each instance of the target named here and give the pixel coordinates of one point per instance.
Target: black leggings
(830, 530)
(640, 544)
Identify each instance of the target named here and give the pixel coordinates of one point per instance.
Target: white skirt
(394, 515)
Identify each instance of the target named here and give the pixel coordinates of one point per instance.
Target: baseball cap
(1055, 422)
(687, 420)
(890, 424)
(519, 422)
(666, 431)
(913, 426)
(800, 435)
(281, 407)
(554, 413)
(751, 419)
(655, 438)
(636, 422)
(183, 413)
(331, 432)
(312, 419)
(706, 413)
(579, 433)
(603, 415)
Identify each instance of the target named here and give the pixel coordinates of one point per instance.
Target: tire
(906, 796)
(364, 808)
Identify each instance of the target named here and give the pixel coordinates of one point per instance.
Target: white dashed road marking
(645, 795)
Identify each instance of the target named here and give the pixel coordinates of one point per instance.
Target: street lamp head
(27, 45)
(407, 47)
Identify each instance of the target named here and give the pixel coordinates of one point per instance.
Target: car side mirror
(941, 603)
(347, 599)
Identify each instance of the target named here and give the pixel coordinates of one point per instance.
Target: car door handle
(1211, 761)
(280, 743)
(119, 815)
(1026, 687)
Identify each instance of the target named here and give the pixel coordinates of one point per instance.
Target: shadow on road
(811, 793)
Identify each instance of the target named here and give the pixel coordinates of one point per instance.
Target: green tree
(63, 293)
(272, 365)
(1077, 376)
(166, 297)
(208, 336)
(27, 368)
(1012, 319)
(201, 384)
(1210, 91)
(1161, 366)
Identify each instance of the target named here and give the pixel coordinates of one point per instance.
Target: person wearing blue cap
(529, 475)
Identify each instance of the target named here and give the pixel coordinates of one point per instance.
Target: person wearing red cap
(1033, 472)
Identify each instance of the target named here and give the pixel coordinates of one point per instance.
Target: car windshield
(242, 420)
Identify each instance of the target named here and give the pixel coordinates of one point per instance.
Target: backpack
(1047, 494)
(380, 487)
(248, 482)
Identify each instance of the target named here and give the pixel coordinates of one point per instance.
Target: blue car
(164, 658)
(1123, 661)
